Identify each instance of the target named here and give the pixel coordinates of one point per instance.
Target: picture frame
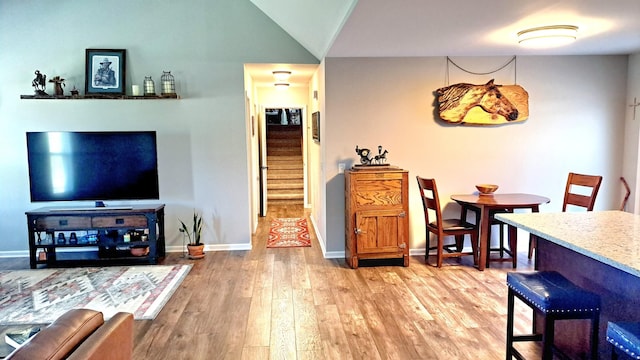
(105, 72)
(315, 126)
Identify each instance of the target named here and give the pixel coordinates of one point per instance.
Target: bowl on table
(486, 189)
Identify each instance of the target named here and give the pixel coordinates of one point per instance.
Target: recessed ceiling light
(547, 36)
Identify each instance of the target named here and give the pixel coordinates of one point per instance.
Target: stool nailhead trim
(619, 346)
(551, 311)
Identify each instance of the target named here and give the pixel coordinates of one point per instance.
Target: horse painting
(482, 104)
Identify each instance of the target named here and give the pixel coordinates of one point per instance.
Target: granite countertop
(611, 237)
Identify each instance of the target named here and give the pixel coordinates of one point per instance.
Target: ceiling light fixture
(281, 75)
(547, 36)
(281, 85)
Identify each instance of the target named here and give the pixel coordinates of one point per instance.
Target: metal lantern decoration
(149, 86)
(168, 84)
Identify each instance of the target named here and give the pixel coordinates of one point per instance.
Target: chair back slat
(589, 184)
(430, 199)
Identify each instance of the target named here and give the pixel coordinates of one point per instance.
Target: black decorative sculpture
(366, 159)
(364, 155)
(381, 158)
(39, 83)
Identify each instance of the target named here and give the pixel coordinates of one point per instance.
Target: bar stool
(554, 297)
(625, 338)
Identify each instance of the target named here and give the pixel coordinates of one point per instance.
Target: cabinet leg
(406, 261)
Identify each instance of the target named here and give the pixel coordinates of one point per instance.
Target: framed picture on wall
(315, 126)
(105, 71)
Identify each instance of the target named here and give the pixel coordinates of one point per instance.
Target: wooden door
(380, 231)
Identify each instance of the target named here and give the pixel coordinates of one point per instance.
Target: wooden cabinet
(97, 236)
(376, 214)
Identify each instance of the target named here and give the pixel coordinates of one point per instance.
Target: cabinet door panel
(379, 231)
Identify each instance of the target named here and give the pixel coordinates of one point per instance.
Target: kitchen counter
(598, 251)
(612, 237)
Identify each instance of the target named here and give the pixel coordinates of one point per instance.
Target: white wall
(631, 134)
(576, 123)
(202, 138)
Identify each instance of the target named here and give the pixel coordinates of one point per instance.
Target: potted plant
(194, 247)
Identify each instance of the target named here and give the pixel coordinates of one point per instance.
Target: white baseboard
(16, 253)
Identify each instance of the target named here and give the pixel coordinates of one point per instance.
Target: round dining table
(485, 203)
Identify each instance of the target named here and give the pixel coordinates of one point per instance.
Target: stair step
(285, 184)
(283, 151)
(285, 202)
(285, 158)
(275, 195)
(285, 166)
(288, 142)
(284, 176)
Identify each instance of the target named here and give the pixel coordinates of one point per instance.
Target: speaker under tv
(98, 166)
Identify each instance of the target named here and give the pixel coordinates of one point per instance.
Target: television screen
(99, 166)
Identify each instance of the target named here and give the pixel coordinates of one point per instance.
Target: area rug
(288, 232)
(40, 296)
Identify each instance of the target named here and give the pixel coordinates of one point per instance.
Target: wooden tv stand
(103, 236)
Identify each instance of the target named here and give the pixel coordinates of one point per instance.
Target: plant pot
(195, 251)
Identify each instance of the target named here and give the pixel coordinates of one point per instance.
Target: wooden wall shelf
(98, 97)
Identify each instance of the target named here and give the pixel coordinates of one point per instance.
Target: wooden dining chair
(441, 228)
(580, 192)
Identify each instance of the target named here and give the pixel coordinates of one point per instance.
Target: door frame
(262, 156)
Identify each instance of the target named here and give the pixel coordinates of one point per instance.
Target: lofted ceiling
(405, 28)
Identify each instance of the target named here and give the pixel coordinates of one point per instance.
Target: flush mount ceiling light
(282, 85)
(547, 36)
(281, 75)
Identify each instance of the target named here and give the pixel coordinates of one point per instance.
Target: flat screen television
(99, 166)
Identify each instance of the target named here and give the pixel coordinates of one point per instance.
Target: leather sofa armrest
(112, 341)
(60, 338)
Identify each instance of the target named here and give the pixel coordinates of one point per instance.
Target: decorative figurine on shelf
(381, 158)
(58, 83)
(39, 83)
(364, 155)
(74, 91)
(366, 159)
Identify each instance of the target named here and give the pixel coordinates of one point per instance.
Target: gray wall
(577, 108)
(201, 138)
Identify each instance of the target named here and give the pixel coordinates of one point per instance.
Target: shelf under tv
(99, 97)
(47, 225)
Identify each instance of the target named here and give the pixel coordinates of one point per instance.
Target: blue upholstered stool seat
(551, 292)
(555, 298)
(625, 336)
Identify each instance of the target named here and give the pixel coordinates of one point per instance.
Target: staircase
(285, 181)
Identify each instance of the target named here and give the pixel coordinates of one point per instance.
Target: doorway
(282, 173)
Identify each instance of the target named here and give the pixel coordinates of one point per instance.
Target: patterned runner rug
(40, 296)
(288, 232)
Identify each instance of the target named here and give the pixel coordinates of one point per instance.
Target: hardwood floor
(293, 304)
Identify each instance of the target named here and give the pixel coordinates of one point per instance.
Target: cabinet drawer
(378, 193)
(139, 221)
(62, 223)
